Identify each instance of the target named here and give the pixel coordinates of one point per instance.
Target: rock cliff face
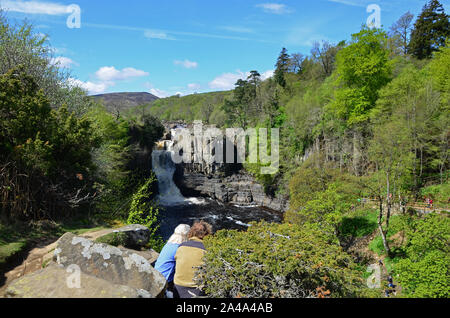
(226, 183)
(238, 188)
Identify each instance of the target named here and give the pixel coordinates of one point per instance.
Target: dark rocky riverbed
(220, 216)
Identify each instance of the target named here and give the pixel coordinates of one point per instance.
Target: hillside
(119, 102)
(206, 107)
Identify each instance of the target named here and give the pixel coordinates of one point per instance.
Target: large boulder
(54, 281)
(117, 265)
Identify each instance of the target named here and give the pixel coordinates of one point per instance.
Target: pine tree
(282, 67)
(430, 30)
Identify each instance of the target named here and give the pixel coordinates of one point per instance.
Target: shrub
(277, 260)
(425, 270)
(45, 154)
(143, 211)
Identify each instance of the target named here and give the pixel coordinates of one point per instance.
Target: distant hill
(206, 107)
(115, 102)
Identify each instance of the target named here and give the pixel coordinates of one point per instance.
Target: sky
(189, 46)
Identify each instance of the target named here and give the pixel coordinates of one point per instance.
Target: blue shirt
(166, 261)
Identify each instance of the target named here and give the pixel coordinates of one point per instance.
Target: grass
(376, 245)
(396, 225)
(360, 224)
(17, 238)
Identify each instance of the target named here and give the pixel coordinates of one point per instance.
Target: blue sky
(187, 46)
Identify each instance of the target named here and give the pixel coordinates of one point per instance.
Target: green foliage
(321, 197)
(22, 45)
(277, 261)
(143, 211)
(439, 69)
(363, 68)
(53, 145)
(359, 224)
(424, 272)
(282, 68)
(205, 107)
(376, 245)
(439, 193)
(431, 30)
(114, 239)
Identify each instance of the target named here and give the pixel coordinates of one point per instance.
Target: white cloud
(90, 87)
(159, 93)
(275, 8)
(303, 36)
(35, 7)
(226, 81)
(161, 35)
(349, 3)
(194, 86)
(237, 29)
(155, 91)
(106, 77)
(186, 64)
(110, 73)
(62, 61)
(267, 75)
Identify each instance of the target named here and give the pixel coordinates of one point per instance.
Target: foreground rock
(119, 266)
(52, 282)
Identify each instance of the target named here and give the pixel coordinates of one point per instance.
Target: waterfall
(164, 169)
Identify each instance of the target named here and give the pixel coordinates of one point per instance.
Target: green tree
(431, 30)
(325, 54)
(363, 67)
(390, 151)
(282, 67)
(238, 108)
(45, 158)
(21, 45)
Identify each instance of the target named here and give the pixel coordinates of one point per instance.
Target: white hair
(180, 235)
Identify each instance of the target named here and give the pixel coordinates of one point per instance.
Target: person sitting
(166, 260)
(188, 258)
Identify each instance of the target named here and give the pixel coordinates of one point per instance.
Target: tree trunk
(380, 228)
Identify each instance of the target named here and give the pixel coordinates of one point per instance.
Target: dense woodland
(364, 139)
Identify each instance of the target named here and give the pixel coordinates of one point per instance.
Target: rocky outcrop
(227, 183)
(105, 271)
(238, 189)
(52, 282)
(116, 265)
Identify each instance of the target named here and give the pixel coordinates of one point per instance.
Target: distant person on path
(188, 258)
(166, 260)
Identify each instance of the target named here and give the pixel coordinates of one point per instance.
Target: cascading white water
(164, 169)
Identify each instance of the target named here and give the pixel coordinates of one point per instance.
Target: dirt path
(39, 255)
